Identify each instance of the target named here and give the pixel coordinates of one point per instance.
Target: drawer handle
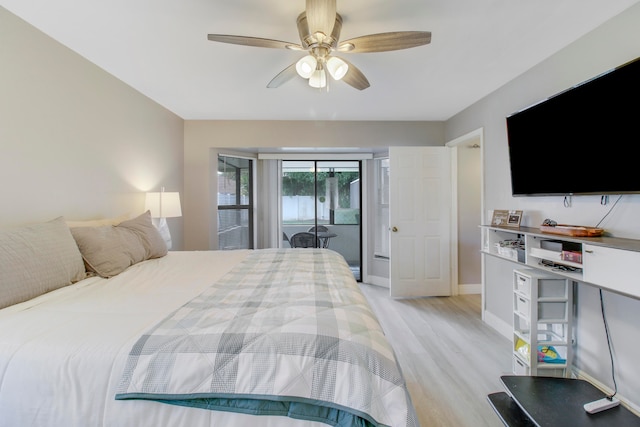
(522, 300)
(589, 251)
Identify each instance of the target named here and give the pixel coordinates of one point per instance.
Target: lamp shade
(337, 67)
(306, 66)
(163, 204)
(318, 79)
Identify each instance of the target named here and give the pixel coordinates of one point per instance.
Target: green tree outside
(302, 184)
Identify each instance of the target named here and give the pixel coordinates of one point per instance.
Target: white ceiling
(160, 48)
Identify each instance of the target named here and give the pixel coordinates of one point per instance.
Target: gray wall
(469, 212)
(204, 137)
(75, 141)
(613, 44)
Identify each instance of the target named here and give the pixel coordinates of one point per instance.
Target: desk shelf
(601, 258)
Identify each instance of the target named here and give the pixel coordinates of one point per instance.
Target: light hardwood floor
(450, 358)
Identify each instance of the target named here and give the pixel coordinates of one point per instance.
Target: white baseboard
(629, 405)
(469, 289)
(498, 324)
(378, 281)
(462, 289)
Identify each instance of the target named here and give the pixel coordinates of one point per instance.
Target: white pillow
(37, 259)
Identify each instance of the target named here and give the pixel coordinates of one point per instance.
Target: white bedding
(62, 354)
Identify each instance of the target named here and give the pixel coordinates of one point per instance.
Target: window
(381, 215)
(235, 203)
(321, 192)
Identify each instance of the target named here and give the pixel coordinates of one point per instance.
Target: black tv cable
(606, 330)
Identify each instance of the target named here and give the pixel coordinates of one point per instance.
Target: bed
(146, 337)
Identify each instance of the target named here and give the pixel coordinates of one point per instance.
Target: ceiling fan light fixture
(306, 66)
(318, 79)
(319, 28)
(337, 67)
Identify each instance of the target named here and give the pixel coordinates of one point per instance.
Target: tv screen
(583, 140)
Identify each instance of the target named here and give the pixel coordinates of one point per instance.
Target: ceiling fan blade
(321, 16)
(253, 41)
(283, 76)
(354, 77)
(384, 42)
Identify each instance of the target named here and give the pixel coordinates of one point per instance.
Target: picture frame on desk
(507, 218)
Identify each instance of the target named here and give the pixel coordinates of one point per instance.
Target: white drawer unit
(602, 264)
(542, 322)
(523, 284)
(522, 306)
(519, 367)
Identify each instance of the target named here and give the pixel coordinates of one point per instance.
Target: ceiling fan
(319, 28)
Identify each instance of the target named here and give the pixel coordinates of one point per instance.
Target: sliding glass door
(321, 207)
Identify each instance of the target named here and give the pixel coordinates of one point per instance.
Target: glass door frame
(322, 165)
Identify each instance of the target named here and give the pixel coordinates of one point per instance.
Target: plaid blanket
(285, 332)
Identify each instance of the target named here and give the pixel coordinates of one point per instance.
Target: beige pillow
(109, 250)
(37, 259)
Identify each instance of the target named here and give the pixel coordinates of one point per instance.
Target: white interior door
(420, 221)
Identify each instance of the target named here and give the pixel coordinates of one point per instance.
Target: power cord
(610, 209)
(608, 401)
(606, 329)
(604, 317)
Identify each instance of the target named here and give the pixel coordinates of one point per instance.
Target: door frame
(475, 136)
(361, 156)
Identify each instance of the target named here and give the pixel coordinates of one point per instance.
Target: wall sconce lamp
(163, 205)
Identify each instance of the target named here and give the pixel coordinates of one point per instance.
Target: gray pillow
(37, 259)
(111, 249)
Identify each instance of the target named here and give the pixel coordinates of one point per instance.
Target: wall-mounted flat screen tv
(583, 140)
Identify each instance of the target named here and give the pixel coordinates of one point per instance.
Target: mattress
(65, 356)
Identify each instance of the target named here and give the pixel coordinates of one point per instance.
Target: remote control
(601, 405)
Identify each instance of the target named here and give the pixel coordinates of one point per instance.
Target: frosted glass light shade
(337, 67)
(163, 204)
(306, 66)
(318, 79)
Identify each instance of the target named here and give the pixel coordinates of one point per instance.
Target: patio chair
(304, 239)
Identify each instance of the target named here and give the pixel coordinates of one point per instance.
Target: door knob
(394, 229)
